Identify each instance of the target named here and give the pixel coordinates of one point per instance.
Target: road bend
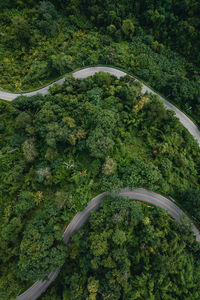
(84, 73)
(81, 217)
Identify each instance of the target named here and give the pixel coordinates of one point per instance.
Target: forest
(42, 41)
(60, 150)
(129, 251)
(96, 135)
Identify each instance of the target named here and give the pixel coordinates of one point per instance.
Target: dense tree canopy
(59, 150)
(129, 251)
(94, 135)
(42, 40)
(173, 23)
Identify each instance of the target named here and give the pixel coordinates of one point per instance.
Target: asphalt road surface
(81, 217)
(187, 123)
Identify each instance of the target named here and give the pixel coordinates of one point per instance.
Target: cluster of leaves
(58, 151)
(31, 37)
(190, 199)
(129, 251)
(172, 23)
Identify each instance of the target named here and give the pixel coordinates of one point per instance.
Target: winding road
(139, 194)
(81, 217)
(187, 123)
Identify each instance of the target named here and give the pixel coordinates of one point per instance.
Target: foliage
(58, 151)
(41, 41)
(129, 251)
(39, 237)
(95, 135)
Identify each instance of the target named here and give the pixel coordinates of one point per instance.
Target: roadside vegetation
(129, 251)
(60, 150)
(94, 135)
(44, 41)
